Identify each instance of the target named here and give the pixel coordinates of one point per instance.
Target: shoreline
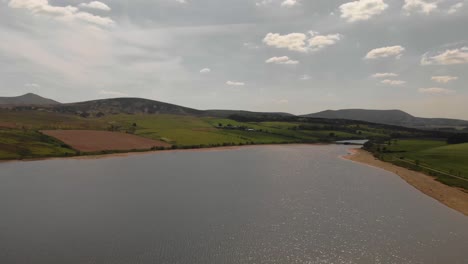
(147, 152)
(447, 195)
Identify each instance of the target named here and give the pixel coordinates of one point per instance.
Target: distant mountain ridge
(147, 106)
(27, 99)
(389, 117)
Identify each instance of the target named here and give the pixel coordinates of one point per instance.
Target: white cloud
(282, 60)
(181, 1)
(305, 77)
(284, 3)
(112, 93)
(232, 83)
(419, 6)
(436, 91)
(263, 2)
(385, 75)
(318, 42)
(68, 13)
(362, 9)
(293, 41)
(384, 52)
(301, 42)
(96, 5)
(393, 82)
(444, 79)
(448, 57)
(454, 8)
(93, 19)
(43, 7)
(290, 3)
(205, 70)
(32, 85)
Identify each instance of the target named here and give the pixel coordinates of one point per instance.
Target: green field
(20, 137)
(182, 131)
(434, 157)
(20, 144)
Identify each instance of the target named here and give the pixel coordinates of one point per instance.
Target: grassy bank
(448, 163)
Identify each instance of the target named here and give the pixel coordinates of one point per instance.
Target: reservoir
(259, 204)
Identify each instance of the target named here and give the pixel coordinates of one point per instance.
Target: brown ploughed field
(94, 140)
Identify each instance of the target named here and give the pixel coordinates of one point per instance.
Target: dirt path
(450, 196)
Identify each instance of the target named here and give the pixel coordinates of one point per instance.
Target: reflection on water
(271, 204)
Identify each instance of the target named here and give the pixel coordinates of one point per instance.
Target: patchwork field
(94, 141)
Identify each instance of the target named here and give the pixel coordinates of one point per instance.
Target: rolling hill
(124, 106)
(27, 99)
(113, 106)
(390, 117)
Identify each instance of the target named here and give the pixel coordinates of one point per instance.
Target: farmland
(435, 157)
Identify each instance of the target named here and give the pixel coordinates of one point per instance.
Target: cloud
(384, 75)
(282, 60)
(43, 7)
(93, 19)
(263, 2)
(290, 3)
(96, 5)
(454, 8)
(305, 77)
(32, 85)
(68, 13)
(419, 6)
(301, 42)
(444, 79)
(393, 51)
(393, 82)
(318, 42)
(284, 3)
(205, 70)
(293, 41)
(112, 93)
(362, 9)
(231, 83)
(436, 91)
(448, 57)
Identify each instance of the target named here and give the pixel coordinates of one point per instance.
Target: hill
(390, 117)
(27, 99)
(124, 106)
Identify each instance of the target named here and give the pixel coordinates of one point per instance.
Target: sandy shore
(450, 196)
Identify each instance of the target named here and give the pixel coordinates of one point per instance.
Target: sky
(296, 56)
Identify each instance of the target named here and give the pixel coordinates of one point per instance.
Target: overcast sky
(297, 56)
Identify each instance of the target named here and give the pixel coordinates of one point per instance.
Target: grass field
(22, 144)
(430, 156)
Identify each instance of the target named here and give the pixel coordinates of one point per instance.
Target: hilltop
(389, 117)
(124, 106)
(27, 99)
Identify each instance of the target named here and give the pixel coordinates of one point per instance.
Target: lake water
(267, 204)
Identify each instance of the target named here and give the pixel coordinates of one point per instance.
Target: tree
(458, 138)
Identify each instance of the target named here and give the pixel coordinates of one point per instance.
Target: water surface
(270, 204)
